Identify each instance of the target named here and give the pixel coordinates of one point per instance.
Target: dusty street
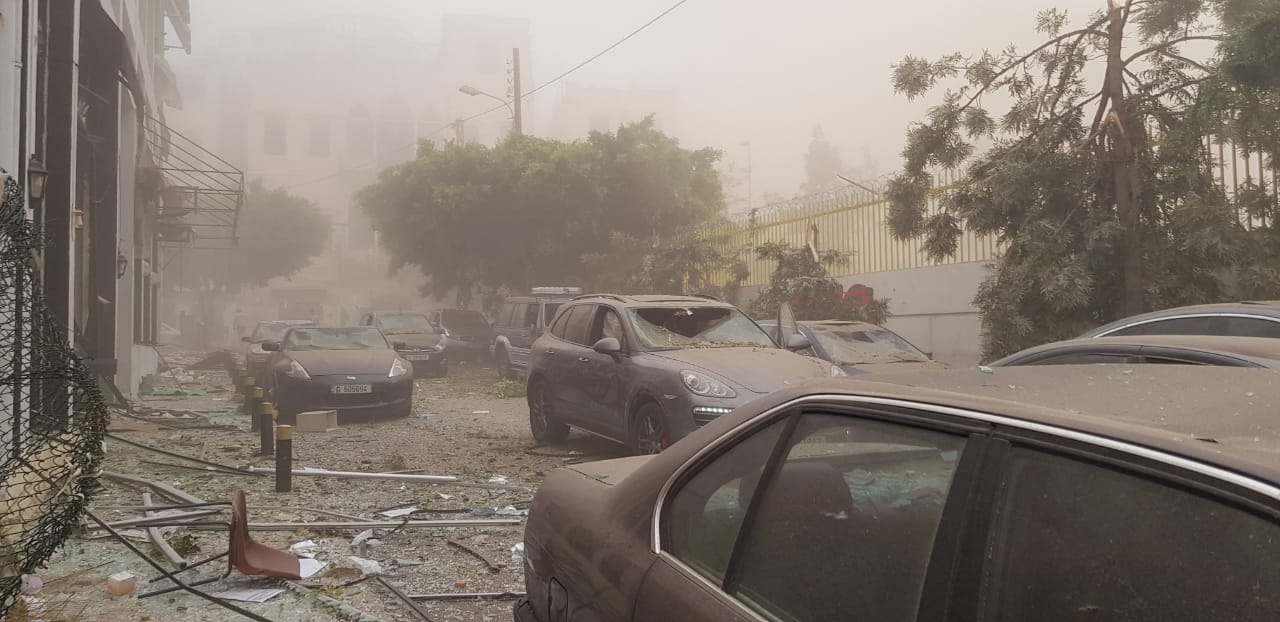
(461, 427)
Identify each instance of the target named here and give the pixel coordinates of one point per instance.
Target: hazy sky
(764, 71)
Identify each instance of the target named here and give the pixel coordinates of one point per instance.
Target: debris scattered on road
(249, 595)
(122, 583)
(400, 512)
(367, 566)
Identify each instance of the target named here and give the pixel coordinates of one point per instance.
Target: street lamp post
(473, 91)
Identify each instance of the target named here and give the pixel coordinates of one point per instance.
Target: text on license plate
(353, 388)
(419, 357)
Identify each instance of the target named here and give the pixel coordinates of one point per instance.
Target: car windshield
(405, 323)
(358, 338)
(861, 344)
(270, 332)
(464, 322)
(697, 327)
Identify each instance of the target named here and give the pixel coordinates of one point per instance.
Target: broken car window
(361, 338)
(405, 323)
(697, 327)
(855, 344)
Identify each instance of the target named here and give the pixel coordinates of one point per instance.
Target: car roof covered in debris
(658, 300)
(1262, 349)
(1269, 308)
(1225, 416)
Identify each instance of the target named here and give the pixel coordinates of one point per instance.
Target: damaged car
(414, 339)
(255, 358)
(353, 371)
(861, 347)
(1052, 493)
(647, 370)
(469, 333)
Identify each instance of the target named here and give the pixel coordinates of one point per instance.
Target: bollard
(253, 405)
(266, 425)
(284, 458)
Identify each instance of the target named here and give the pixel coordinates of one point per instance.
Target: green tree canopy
(532, 211)
(277, 235)
(822, 164)
(805, 281)
(1097, 180)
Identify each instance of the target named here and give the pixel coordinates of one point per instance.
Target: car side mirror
(247, 339)
(610, 346)
(797, 342)
(271, 346)
(398, 345)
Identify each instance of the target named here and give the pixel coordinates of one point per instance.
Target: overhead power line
(527, 95)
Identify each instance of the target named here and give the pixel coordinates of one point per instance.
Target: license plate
(419, 357)
(353, 388)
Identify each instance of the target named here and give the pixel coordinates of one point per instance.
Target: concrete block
(317, 421)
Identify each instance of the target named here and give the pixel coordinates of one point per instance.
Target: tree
(1097, 180)
(822, 164)
(533, 211)
(277, 233)
(808, 286)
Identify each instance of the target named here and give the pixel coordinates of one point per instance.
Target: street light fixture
(37, 176)
(473, 91)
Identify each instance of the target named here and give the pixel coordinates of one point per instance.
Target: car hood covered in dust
(759, 370)
(335, 362)
(415, 340)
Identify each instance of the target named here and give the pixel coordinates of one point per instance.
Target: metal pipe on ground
(396, 477)
(163, 452)
(157, 538)
(165, 489)
(470, 596)
(494, 522)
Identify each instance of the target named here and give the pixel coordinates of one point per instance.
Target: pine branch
(1182, 58)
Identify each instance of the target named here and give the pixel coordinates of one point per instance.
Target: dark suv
(648, 370)
(520, 321)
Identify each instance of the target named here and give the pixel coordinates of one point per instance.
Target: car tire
(649, 434)
(504, 365)
(547, 430)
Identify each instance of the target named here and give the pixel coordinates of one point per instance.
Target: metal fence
(851, 220)
(53, 419)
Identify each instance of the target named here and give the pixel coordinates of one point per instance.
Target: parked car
(860, 347)
(1053, 494)
(468, 332)
(414, 339)
(1234, 319)
(1167, 349)
(255, 358)
(351, 370)
(648, 370)
(520, 321)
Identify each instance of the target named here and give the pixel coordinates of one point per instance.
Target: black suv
(520, 321)
(648, 370)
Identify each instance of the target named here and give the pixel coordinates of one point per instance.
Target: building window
(274, 138)
(360, 132)
(318, 145)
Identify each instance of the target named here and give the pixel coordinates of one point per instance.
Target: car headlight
(296, 370)
(836, 372)
(700, 384)
(398, 368)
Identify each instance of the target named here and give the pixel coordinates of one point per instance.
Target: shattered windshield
(862, 344)
(697, 327)
(271, 332)
(300, 339)
(405, 323)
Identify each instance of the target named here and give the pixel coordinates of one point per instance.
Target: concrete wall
(932, 307)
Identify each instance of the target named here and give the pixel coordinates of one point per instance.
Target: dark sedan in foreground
(1159, 349)
(1056, 493)
(351, 370)
(1251, 318)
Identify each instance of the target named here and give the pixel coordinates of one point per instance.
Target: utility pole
(459, 133)
(517, 123)
(750, 205)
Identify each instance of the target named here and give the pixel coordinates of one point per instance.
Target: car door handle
(583, 359)
(550, 352)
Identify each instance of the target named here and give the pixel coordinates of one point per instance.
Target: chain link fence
(52, 413)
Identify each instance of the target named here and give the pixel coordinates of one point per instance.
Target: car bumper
(434, 363)
(690, 412)
(390, 396)
(468, 349)
(523, 611)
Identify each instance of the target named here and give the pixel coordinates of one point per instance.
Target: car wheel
(542, 420)
(649, 434)
(504, 365)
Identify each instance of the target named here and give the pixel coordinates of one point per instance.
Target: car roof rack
(609, 296)
(555, 291)
(708, 297)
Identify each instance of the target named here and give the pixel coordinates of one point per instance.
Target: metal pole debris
(476, 554)
(470, 596)
(179, 456)
(403, 598)
(168, 491)
(284, 458)
(426, 479)
(169, 575)
(157, 538)
(202, 469)
(491, 522)
(172, 520)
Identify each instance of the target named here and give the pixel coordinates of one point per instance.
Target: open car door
(787, 327)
